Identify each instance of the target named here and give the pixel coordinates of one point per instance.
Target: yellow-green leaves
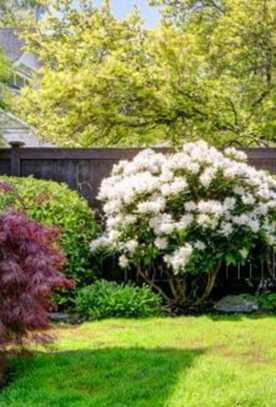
(209, 70)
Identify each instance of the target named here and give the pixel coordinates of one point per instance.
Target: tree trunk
(178, 294)
(211, 279)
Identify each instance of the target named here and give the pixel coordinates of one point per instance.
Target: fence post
(15, 158)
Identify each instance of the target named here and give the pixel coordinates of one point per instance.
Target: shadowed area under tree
(92, 378)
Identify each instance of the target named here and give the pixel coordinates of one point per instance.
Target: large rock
(60, 317)
(236, 304)
(63, 317)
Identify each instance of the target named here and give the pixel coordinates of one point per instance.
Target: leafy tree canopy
(208, 70)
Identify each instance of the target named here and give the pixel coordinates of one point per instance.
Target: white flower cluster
(174, 208)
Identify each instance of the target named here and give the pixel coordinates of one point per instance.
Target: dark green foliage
(53, 203)
(105, 299)
(267, 302)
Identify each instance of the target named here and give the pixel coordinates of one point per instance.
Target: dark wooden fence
(84, 169)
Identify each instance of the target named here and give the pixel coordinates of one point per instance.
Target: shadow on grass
(108, 377)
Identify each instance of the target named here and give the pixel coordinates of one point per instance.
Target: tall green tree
(207, 71)
(96, 83)
(235, 74)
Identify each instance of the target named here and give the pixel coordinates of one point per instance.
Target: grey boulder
(236, 304)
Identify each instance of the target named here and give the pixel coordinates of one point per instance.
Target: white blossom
(190, 206)
(254, 225)
(129, 219)
(248, 199)
(208, 176)
(226, 229)
(210, 207)
(180, 257)
(99, 243)
(199, 245)
(194, 167)
(229, 203)
(114, 236)
(237, 155)
(123, 261)
(131, 245)
(206, 221)
(151, 206)
(161, 243)
(184, 222)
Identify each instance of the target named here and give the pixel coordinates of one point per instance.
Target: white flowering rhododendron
(185, 214)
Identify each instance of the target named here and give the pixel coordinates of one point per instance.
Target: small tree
(185, 214)
(31, 265)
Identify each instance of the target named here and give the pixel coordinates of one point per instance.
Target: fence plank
(84, 169)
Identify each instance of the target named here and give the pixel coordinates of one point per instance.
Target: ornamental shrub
(185, 214)
(53, 203)
(105, 299)
(30, 270)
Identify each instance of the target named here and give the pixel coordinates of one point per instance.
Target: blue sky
(122, 7)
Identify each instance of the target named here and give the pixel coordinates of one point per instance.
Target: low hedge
(108, 299)
(53, 203)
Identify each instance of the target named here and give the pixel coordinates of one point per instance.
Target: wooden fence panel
(84, 169)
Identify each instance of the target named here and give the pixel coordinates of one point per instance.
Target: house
(24, 65)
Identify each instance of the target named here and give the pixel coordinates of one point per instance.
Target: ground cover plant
(172, 362)
(106, 299)
(53, 203)
(186, 214)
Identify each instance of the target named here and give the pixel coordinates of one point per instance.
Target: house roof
(14, 129)
(11, 43)
(13, 47)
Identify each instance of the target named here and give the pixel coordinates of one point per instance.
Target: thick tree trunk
(178, 294)
(211, 280)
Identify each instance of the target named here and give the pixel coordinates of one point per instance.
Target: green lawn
(182, 362)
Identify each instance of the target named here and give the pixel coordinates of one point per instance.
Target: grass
(181, 362)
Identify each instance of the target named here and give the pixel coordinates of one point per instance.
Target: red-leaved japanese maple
(31, 265)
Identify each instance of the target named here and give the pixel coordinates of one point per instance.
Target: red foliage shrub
(31, 265)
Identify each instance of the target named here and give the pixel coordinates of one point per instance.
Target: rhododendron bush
(30, 270)
(185, 214)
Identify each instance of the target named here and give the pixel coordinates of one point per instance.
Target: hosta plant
(31, 264)
(109, 299)
(185, 214)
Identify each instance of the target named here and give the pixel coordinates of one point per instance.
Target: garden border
(84, 169)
